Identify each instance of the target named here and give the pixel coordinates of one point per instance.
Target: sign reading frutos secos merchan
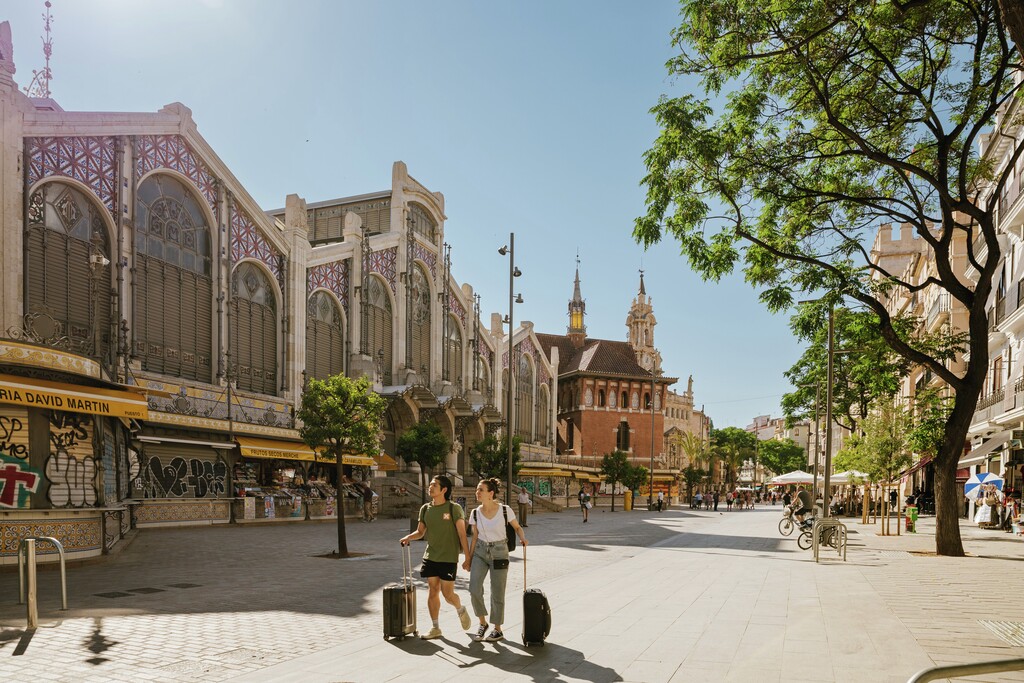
(38, 393)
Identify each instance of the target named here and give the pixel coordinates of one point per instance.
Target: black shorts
(801, 511)
(444, 570)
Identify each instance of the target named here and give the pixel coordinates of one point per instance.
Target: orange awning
(75, 398)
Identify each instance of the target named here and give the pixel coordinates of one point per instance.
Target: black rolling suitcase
(400, 602)
(536, 612)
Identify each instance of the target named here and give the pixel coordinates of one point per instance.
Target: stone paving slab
(681, 595)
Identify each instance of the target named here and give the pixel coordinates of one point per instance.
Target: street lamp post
(513, 272)
(650, 491)
(828, 413)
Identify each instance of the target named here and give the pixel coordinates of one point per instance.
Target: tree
(615, 468)
(692, 475)
(734, 446)
(341, 415)
(882, 450)
(843, 117)
(635, 477)
(426, 445)
(782, 456)
(694, 447)
(867, 370)
(489, 457)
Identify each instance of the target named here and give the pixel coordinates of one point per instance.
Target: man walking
(524, 502)
(444, 524)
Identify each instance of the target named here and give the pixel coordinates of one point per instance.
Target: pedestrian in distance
(524, 502)
(444, 524)
(368, 496)
(698, 499)
(488, 555)
(715, 498)
(585, 503)
(661, 501)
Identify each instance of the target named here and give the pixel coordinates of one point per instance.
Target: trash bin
(912, 519)
(627, 503)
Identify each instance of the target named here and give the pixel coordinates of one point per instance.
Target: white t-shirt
(524, 497)
(490, 530)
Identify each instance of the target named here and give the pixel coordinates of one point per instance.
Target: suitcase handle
(524, 568)
(406, 565)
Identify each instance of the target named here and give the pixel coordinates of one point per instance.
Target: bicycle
(829, 537)
(787, 523)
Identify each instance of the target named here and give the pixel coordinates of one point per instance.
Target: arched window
(484, 377)
(635, 402)
(600, 398)
(422, 223)
(524, 399)
(379, 326)
(325, 343)
(173, 282)
(453, 351)
(622, 436)
(253, 330)
(647, 400)
(625, 400)
(67, 260)
(543, 416)
(420, 322)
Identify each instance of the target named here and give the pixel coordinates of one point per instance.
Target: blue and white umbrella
(974, 486)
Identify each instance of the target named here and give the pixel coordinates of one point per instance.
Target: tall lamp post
(650, 491)
(828, 413)
(513, 272)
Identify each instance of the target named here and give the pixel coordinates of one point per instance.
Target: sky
(530, 117)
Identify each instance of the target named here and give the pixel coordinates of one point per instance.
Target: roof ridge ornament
(40, 85)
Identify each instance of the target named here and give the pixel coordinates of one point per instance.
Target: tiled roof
(599, 356)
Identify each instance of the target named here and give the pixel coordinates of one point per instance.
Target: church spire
(642, 290)
(641, 321)
(577, 331)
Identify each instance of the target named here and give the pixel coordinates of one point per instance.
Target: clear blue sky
(529, 116)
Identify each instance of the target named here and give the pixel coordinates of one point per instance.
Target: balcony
(1009, 196)
(1000, 309)
(988, 407)
(938, 312)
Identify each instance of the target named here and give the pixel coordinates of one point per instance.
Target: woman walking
(585, 503)
(488, 554)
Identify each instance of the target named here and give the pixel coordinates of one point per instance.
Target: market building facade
(158, 328)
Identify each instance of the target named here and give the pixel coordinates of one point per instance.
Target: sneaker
(495, 636)
(464, 618)
(435, 632)
(480, 633)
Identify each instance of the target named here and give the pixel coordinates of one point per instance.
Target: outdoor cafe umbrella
(973, 486)
(795, 477)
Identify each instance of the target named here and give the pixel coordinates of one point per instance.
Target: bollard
(30, 561)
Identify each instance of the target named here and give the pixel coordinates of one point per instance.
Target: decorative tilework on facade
(183, 512)
(75, 534)
(423, 254)
(171, 151)
(457, 308)
(248, 242)
(89, 160)
(330, 276)
(385, 264)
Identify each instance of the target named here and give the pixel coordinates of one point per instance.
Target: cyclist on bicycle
(804, 504)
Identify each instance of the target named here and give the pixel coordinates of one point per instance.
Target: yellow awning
(543, 472)
(352, 459)
(664, 477)
(272, 448)
(40, 393)
(385, 462)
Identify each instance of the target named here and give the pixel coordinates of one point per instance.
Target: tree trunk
(947, 502)
(340, 507)
(1013, 18)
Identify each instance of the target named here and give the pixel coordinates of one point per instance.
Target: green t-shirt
(442, 538)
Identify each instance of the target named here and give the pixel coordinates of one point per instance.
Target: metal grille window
(524, 399)
(484, 377)
(67, 259)
(453, 351)
(173, 282)
(253, 330)
(325, 343)
(422, 223)
(379, 326)
(420, 322)
(543, 416)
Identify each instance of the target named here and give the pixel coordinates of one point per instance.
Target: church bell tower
(640, 323)
(577, 331)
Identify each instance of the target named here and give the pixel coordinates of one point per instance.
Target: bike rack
(28, 547)
(959, 670)
(820, 525)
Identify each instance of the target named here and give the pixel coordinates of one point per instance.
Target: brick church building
(611, 394)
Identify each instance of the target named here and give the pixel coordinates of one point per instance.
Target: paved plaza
(638, 596)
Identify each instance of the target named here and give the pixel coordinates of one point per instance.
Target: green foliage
(635, 477)
(489, 457)
(692, 476)
(882, 450)
(734, 446)
(341, 415)
(781, 456)
(929, 422)
(426, 445)
(615, 467)
(820, 122)
(695, 448)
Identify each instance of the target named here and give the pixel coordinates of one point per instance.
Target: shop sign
(38, 393)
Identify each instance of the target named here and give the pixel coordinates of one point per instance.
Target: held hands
(466, 565)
